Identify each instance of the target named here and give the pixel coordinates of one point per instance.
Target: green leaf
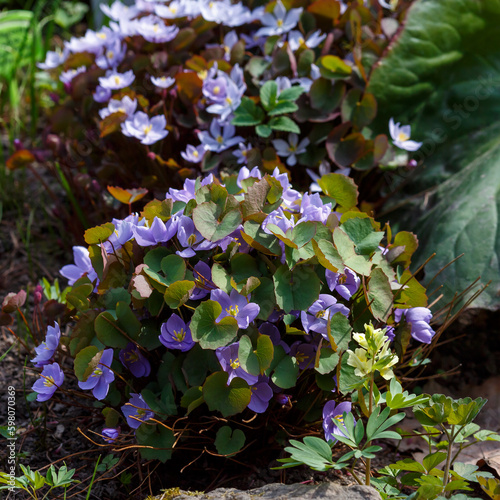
(341, 331)
(228, 399)
(18, 35)
(341, 188)
(228, 441)
(283, 107)
(291, 93)
(333, 67)
(109, 332)
(209, 332)
(297, 289)
(328, 255)
(449, 97)
(99, 234)
(328, 361)
(285, 373)
(409, 465)
(303, 233)
(70, 13)
(348, 380)
(206, 219)
(174, 268)
(161, 440)
(380, 295)
(259, 360)
(345, 246)
(178, 293)
(284, 124)
(264, 296)
(263, 130)
(248, 113)
(433, 459)
(127, 320)
(154, 258)
(268, 93)
(83, 360)
(362, 233)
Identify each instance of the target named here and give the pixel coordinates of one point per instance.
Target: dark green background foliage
(442, 75)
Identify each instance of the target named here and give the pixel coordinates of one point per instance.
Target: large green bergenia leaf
(442, 76)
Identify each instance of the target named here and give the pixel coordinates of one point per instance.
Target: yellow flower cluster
(373, 355)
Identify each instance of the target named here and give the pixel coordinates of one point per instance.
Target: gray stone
(276, 491)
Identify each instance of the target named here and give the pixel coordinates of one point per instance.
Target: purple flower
(118, 11)
(237, 306)
(296, 39)
(261, 395)
(125, 105)
(219, 140)
(332, 416)
(110, 434)
(401, 136)
(93, 41)
(313, 209)
(242, 154)
(163, 82)
(54, 59)
(136, 411)
(175, 9)
(280, 21)
(82, 266)
(244, 173)
(228, 359)
(188, 236)
(115, 81)
(224, 95)
(124, 231)
(290, 196)
(229, 42)
(113, 54)
(317, 316)
(389, 333)
(215, 89)
(203, 279)
(101, 377)
(153, 29)
(159, 232)
(175, 334)
(346, 285)
(418, 318)
(47, 348)
(51, 379)
(274, 334)
(147, 130)
(193, 154)
(304, 354)
(67, 76)
(101, 94)
(291, 148)
(133, 359)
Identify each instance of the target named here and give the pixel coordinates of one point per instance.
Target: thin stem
(370, 411)
(355, 476)
(448, 458)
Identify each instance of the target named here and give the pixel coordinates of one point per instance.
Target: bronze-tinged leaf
(13, 301)
(20, 159)
(325, 8)
(127, 196)
(112, 123)
(189, 85)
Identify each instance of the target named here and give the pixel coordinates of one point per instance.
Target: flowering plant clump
(234, 296)
(187, 85)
